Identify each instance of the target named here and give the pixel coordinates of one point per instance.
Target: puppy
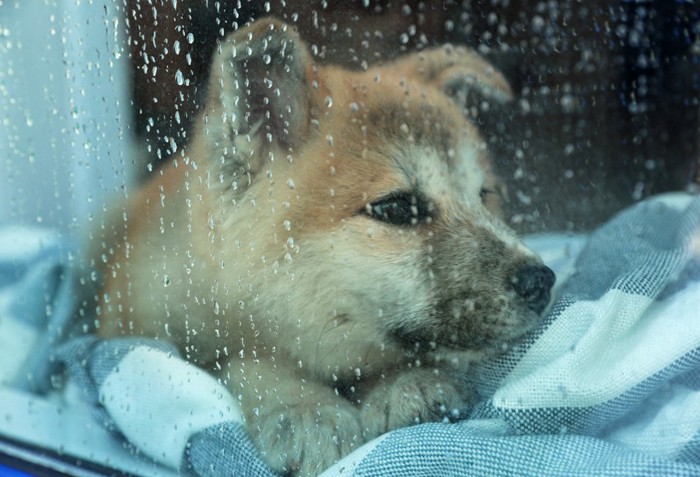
(327, 244)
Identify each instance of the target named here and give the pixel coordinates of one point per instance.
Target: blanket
(608, 385)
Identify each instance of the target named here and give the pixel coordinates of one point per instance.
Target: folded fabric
(36, 305)
(488, 448)
(162, 405)
(609, 385)
(619, 354)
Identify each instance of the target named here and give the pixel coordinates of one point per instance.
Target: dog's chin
(486, 336)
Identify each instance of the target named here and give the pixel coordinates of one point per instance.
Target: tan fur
(282, 284)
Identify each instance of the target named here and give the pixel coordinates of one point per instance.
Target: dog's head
(358, 208)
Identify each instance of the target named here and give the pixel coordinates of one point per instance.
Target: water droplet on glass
(290, 183)
(638, 191)
(568, 103)
(179, 78)
(537, 23)
(523, 198)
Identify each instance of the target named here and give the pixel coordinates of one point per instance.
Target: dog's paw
(305, 439)
(415, 396)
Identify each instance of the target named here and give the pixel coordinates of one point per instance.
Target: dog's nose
(533, 283)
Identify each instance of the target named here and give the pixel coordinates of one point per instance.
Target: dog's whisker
(333, 322)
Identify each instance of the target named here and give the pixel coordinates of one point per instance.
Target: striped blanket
(608, 385)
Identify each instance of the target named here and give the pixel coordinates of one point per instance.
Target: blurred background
(93, 94)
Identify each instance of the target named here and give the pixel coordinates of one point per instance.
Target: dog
(328, 244)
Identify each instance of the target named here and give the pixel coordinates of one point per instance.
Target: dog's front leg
(413, 396)
(299, 425)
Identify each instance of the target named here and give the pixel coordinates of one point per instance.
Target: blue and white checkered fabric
(36, 303)
(622, 342)
(609, 385)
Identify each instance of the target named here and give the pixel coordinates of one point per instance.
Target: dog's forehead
(431, 144)
(460, 178)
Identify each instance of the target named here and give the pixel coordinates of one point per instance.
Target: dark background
(608, 90)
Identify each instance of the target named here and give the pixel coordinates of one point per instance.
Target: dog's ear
(461, 74)
(258, 99)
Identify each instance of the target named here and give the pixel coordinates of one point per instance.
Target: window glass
(245, 237)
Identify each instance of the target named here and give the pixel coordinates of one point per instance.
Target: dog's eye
(401, 208)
